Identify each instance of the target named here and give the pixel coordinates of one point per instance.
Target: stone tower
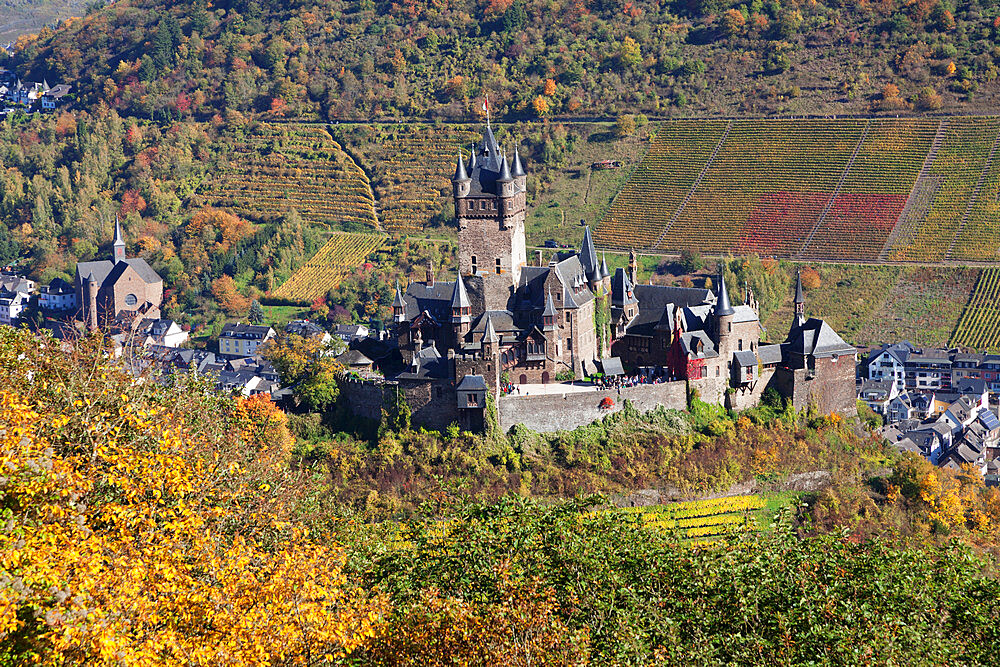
(490, 205)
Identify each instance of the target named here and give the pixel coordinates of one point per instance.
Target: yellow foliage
(134, 537)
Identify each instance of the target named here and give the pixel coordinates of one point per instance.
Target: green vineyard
(338, 256)
(411, 167)
(848, 189)
(979, 326)
(274, 169)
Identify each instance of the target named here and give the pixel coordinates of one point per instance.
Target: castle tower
(605, 274)
(491, 208)
(633, 267)
(724, 314)
(119, 244)
(490, 339)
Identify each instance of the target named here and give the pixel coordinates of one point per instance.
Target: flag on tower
(486, 108)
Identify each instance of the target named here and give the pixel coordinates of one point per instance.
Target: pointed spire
(398, 301)
(118, 245)
(490, 334)
(472, 159)
(518, 167)
(588, 256)
(604, 266)
(459, 297)
(550, 306)
(504, 176)
(800, 302)
(460, 173)
(723, 306)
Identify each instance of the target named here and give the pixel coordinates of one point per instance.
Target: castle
(503, 321)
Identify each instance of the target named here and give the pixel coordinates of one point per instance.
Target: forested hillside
(343, 59)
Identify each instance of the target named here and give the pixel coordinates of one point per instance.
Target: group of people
(624, 381)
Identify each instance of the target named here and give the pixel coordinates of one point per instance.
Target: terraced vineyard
(700, 520)
(411, 166)
(647, 204)
(979, 325)
(338, 256)
(276, 168)
(904, 189)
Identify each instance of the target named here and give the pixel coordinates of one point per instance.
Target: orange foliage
(229, 228)
(228, 298)
(810, 278)
(550, 87)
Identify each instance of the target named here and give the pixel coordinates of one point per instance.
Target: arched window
(131, 300)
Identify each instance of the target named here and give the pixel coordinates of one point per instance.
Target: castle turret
(505, 180)
(460, 181)
(549, 314)
(633, 267)
(520, 176)
(398, 306)
(588, 259)
(119, 243)
(429, 274)
(724, 314)
(461, 310)
(490, 339)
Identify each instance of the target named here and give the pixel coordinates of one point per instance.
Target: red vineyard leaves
(780, 222)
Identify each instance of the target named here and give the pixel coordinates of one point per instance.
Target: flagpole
(487, 111)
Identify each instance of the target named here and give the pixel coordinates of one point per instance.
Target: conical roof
(489, 143)
(550, 307)
(459, 297)
(460, 173)
(723, 306)
(504, 176)
(398, 301)
(518, 167)
(490, 334)
(799, 296)
(604, 267)
(472, 159)
(588, 256)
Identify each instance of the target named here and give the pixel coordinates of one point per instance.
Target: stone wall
(555, 412)
(831, 389)
(748, 397)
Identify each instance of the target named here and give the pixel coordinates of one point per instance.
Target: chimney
(429, 276)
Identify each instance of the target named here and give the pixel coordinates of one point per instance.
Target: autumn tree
(308, 366)
(138, 529)
(227, 297)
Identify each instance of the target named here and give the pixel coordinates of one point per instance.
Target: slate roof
(769, 354)
(689, 345)
(622, 292)
(472, 383)
(304, 328)
(745, 358)
(815, 337)
(723, 306)
(58, 286)
(245, 331)
(435, 300)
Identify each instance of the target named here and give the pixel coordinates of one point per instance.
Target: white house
(12, 304)
(58, 295)
(878, 394)
(888, 363)
(162, 332)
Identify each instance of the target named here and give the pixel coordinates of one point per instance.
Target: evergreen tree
(256, 314)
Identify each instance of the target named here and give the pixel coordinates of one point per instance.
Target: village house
(58, 296)
(242, 340)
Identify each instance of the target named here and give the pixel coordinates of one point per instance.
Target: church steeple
(118, 245)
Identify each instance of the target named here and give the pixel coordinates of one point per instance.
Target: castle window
(740, 344)
(474, 262)
(493, 205)
(499, 268)
(482, 205)
(131, 300)
(568, 317)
